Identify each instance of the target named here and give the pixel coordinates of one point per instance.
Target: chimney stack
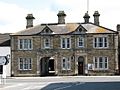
(118, 27)
(86, 17)
(29, 19)
(61, 17)
(96, 17)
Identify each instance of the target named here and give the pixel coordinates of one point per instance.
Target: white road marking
(80, 83)
(63, 87)
(36, 86)
(70, 86)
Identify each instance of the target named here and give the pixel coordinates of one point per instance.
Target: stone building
(64, 48)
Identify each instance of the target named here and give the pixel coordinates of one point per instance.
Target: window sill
(100, 47)
(100, 69)
(66, 69)
(25, 69)
(25, 49)
(65, 48)
(81, 47)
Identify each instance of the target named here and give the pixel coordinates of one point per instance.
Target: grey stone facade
(49, 61)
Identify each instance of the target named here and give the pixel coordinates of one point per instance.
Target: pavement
(57, 82)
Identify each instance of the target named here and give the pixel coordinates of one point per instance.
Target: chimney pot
(118, 27)
(29, 19)
(86, 17)
(61, 17)
(96, 17)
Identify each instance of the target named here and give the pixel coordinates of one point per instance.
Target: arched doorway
(47, 66)
(80, 65)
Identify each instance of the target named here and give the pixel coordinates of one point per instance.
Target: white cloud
(75, 9)
(45, 16)
(12, 17)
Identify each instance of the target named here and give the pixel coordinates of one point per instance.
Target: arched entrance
(47, 66)
(80, 65)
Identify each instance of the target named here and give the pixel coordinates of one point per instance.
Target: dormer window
(80, 29)
(46, 31)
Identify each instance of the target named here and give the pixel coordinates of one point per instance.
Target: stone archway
(47, 66)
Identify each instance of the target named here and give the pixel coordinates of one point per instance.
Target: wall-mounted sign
(4, 60)
(90, 66)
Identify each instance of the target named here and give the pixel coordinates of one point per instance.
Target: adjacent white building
(5, 51)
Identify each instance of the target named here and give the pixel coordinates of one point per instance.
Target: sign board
(4, 60)
(90, 66)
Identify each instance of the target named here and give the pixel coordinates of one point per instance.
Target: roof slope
(5, 39)
(65, 29)
(92, 28)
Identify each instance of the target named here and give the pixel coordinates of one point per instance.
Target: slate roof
(65, 28)
(5, 39)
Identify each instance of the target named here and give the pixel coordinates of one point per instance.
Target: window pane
(100, 42)
(25, 63)
(47, 43)
(64, 66)
(21, 44)
(96, 64)
(68, 42)
(30, 64)
(63, 42)
(29, 44)
(105, 42)
(106, 62)
(68, 64)
(21, 64)
(81, 42)
(100, 62)
(95, 42)
(25, 44)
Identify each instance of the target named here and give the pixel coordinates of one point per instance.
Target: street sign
(4, 60)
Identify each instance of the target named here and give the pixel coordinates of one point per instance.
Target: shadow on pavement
(60, 86)
(83, 86)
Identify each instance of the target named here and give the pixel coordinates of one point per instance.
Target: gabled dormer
(46, 31)
(80, 30)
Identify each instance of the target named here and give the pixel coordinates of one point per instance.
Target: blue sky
(13, 12)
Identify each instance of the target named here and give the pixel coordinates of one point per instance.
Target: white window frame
(96, 61)
(66, 43)
(81, 40)
(96, 44)
(45, 46)
(66, 65)
(25, 44)
(25, 65)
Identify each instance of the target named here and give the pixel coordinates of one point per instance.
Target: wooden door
(80, 68)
